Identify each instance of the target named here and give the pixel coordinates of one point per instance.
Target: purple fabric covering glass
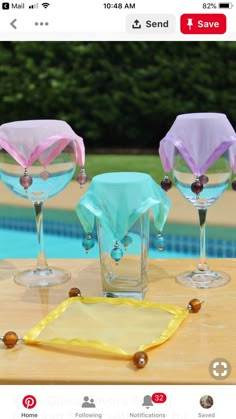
(201, 138)
(43, 140)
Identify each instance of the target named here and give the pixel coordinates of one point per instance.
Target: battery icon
(225, 5)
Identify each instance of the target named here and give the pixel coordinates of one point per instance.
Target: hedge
(116, 94)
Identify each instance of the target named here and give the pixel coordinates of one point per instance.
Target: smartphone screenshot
(117, 204)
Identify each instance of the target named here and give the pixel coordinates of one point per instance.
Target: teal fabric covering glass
(118, 199)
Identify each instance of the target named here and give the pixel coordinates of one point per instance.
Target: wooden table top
(184, 359)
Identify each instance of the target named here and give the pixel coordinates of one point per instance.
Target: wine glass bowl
(202, 191)
(214, 181)
(47, 181)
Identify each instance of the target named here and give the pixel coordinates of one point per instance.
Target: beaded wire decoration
(198, 185)
(26, 180)
(166, 183)
(82, 177)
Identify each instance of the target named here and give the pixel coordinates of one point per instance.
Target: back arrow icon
(12, 24)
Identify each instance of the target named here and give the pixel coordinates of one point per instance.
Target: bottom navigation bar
(117, 402)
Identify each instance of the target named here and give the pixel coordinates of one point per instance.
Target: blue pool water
(63, 237)
(23, 244)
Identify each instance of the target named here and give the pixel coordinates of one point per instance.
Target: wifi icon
(45, 5)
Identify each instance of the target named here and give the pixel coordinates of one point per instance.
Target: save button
(203, 24)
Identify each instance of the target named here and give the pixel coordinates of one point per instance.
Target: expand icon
(220, 368)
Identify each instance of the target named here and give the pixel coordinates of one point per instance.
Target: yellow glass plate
(119, 326)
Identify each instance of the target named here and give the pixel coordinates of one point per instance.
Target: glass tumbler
(127, 276)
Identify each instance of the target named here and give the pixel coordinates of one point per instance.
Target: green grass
(97, 164)
(151, 164)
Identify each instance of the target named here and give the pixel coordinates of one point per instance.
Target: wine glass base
(203, 279)
(42, 277)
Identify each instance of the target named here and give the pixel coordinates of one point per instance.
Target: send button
(150, 24)
(160, 24)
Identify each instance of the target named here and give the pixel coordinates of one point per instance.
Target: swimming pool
(63, 237)
(23, 244)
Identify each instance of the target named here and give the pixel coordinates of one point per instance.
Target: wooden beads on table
(10, 339)
(194, 305)
(74, 292)
(140, 359)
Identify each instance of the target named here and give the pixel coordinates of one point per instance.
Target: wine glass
(46, 176)
(202, 191)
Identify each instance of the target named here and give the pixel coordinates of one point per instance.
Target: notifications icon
(147, 401)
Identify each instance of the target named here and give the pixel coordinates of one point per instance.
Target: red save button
(203, 24)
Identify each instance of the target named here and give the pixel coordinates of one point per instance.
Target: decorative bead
(88, 243)
(26, 181)
(159, 242)
(194, 305)
(74, 292)
(44, 175)
(116, 253)
(197, 187)
(166, 184)
(140, 359)
(233, 184)
(126, 241)
(203, 179)
(10, 339)
(82, 177)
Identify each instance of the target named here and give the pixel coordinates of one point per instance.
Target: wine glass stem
(41, 262)
(202, 266)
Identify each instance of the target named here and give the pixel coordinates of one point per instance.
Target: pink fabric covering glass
(201, 138)
(43, 140)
